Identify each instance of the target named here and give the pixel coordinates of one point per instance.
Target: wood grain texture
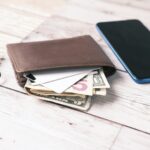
(18, 23)
(130, 139)
(5, 39)
(93, 11)
(28, 123)
(140, 4)
(38, 7)
(126, 103)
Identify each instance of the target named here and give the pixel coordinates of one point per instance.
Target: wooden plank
(130, 139)
(5, 39)
(29, 123)
(120, 99)
(18, 23)
(126, 102)
(9, 75)
(66, 28)
(36, 7)
(7, 70)
(81, 13)
(122, 104)
(16, 136)
(140, 4)
(102, 11)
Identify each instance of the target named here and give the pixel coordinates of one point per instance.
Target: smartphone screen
(130, 40)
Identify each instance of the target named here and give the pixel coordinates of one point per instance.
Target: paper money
(69, 101)
(100, 81)
(49, 93)
(38, 89)
(78, 95)
(84, 86)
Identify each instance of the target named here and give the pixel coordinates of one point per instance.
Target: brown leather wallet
(80, 51)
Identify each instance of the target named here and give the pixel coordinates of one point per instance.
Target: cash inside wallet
(65, 71)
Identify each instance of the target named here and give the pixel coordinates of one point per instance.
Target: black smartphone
(130, 42)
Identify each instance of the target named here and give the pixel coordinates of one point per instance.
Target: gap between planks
(101, 11)
(116, 138)
(95, 116)
(130, 104)
(54, 120)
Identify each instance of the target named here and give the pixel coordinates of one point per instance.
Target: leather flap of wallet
(80, 51)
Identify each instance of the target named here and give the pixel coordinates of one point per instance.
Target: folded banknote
(74, 90)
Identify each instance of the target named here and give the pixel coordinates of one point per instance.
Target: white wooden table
(119, 121)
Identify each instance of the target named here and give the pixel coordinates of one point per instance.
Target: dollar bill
(78, 96)
(84, 86)
(100, 80)
(49, 93)
(38, 89)
(69, 101)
